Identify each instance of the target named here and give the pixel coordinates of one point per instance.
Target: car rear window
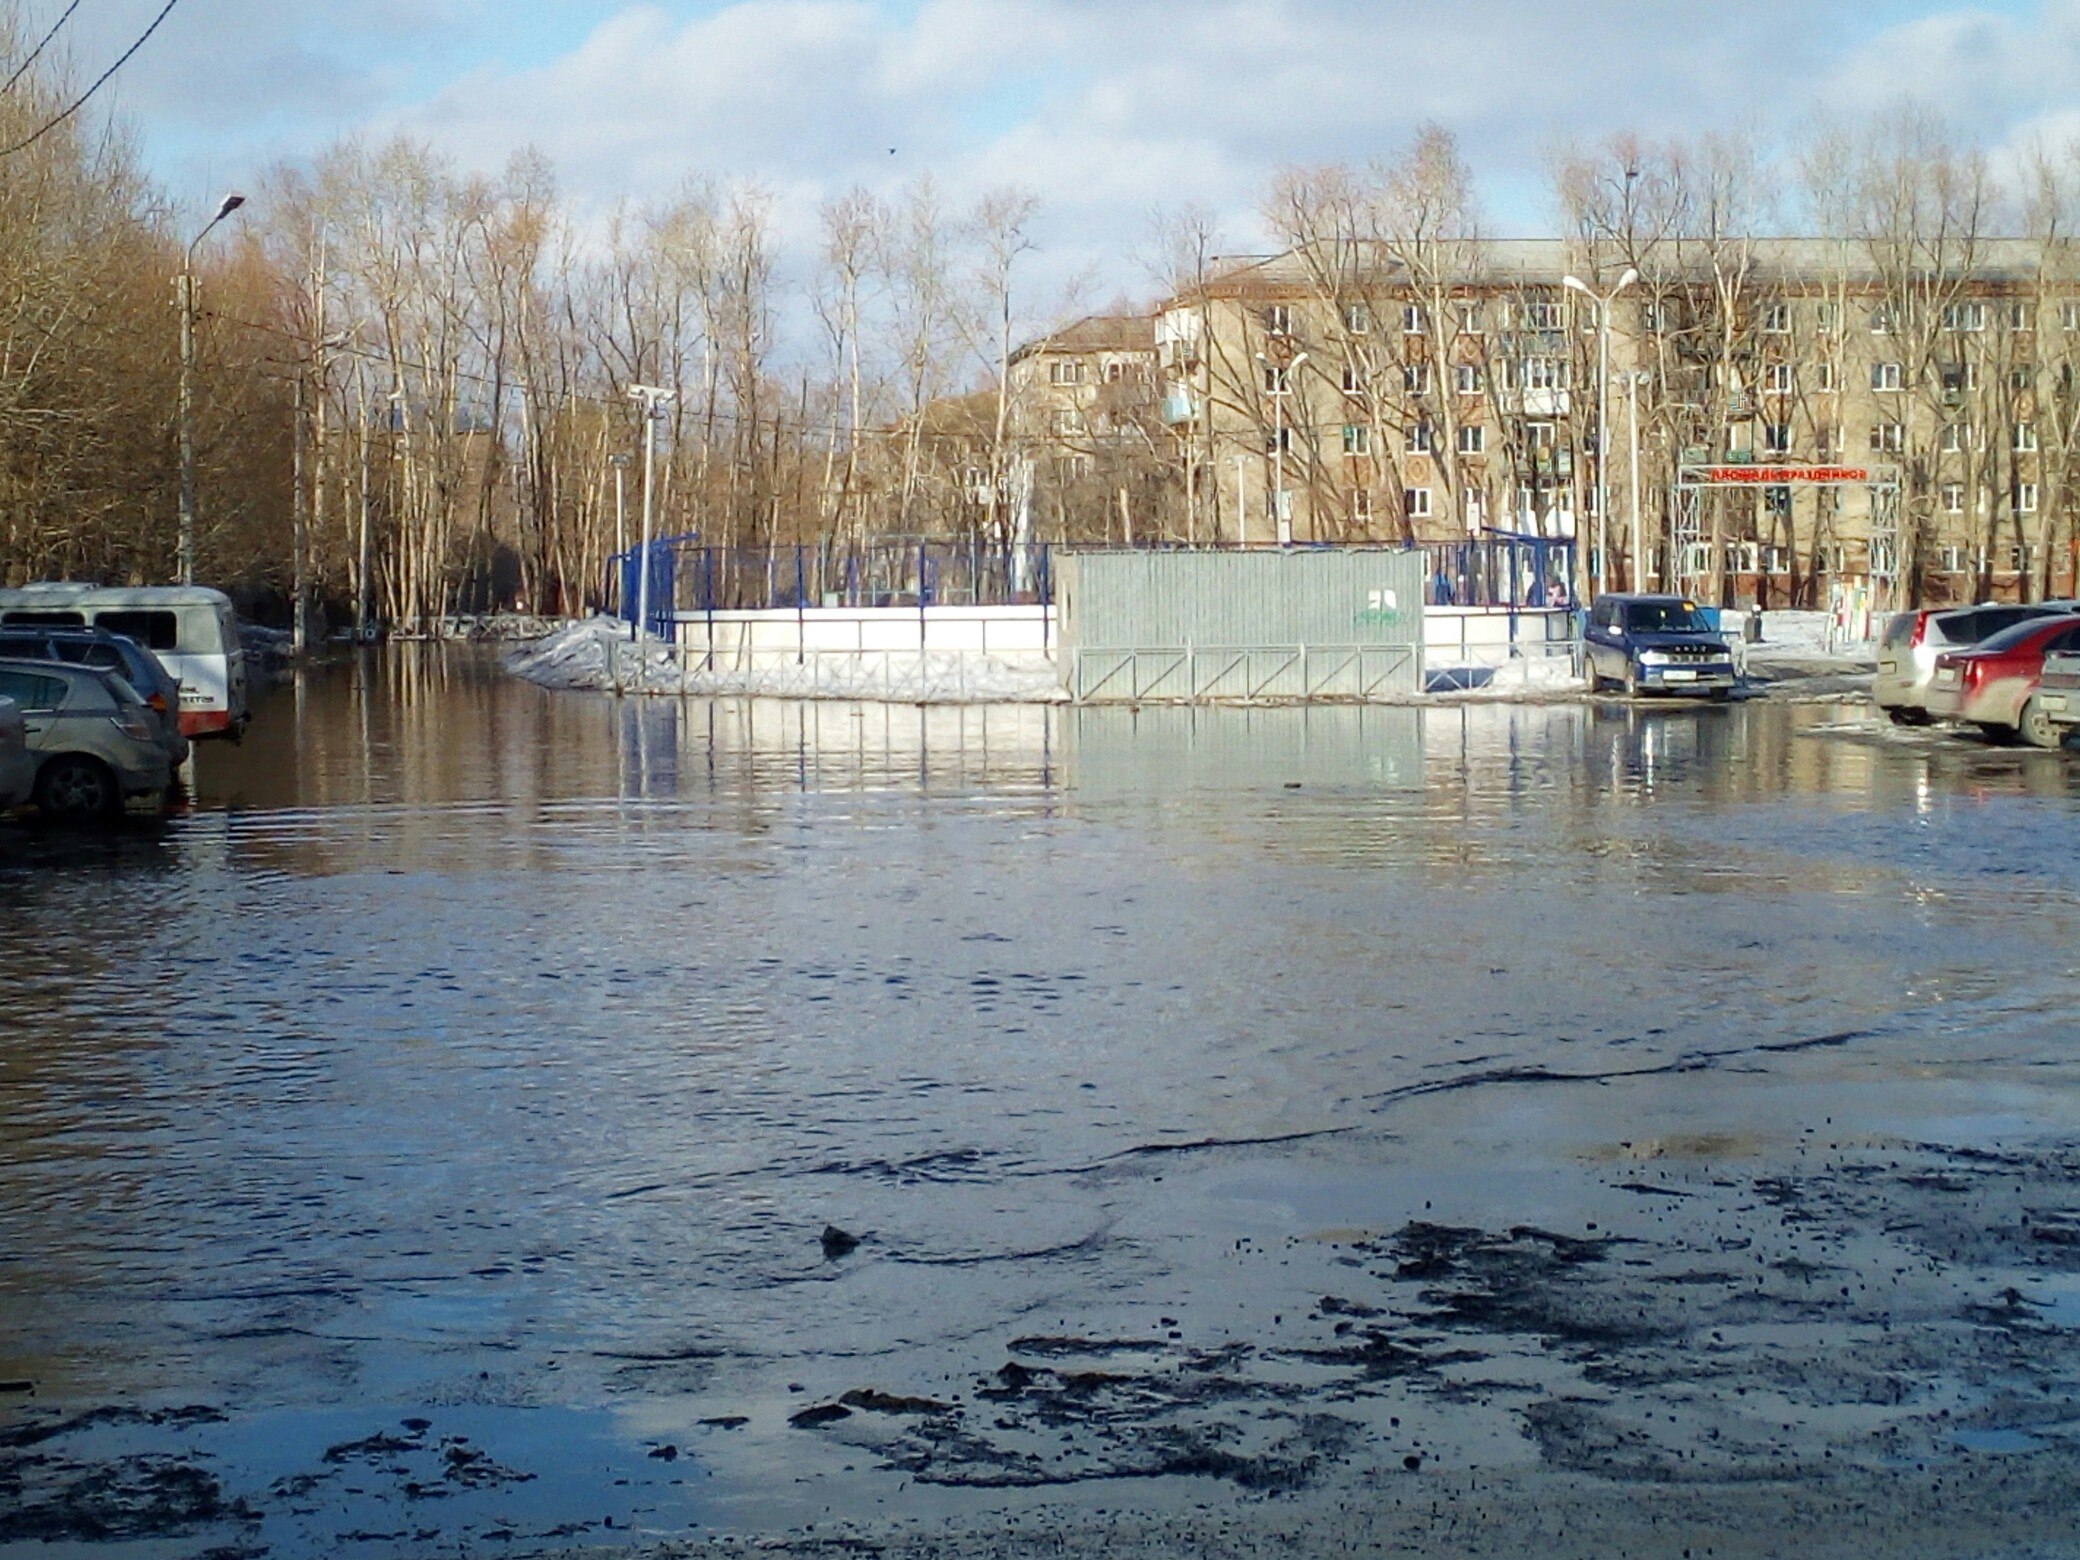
(155, 630)
(30, 691)
(1900, 629)
(2008, 638)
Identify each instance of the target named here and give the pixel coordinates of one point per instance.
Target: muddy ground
(1868, 1350)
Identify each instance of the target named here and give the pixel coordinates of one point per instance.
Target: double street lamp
(225, 207)
(1603, 418)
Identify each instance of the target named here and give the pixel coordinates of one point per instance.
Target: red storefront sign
(1778, 476)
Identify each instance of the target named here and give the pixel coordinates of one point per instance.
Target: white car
(17, 765)
(92, 737)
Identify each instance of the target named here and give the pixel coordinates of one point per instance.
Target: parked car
(191, 629)
(1663, 644)
(2058, 693)
(111, 652)
(1911, 642)
(1993, 685)
(94, 742)
(17, 764)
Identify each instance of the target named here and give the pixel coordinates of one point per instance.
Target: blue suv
(1656, 644)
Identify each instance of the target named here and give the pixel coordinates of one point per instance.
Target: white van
(188, 627)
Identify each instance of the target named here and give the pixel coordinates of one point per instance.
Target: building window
(1278, 319)
(1653, 318)
(1542, 314)
(2022, 558)
(2025, 438)
(2022, 377)
(1953, 560)
(2069, 314)
(1964, 316)
(1827, 439)
(1953, 498)
(1957, 378)
(1466, 378)
(1776, 319)
(1473, 439)
(1776, 438)
(1421, 439)
(1887, 438)
(1777, 560)
(1357, 439)
(1412, 320)
(1415, 502)
(1538, 436)
(1357, 318)
(1885, 376)
(1067, 422)
(1278, 441)
(1059, 373)
(1954, 438)
(1776, 379)
(2018, 316)
(1882, 320)
(1361, 506)
(1277, 379)
(1470, 323)
(2025, 498)
(1828, 316)
(1115, 373)
(1415, 378)
(1823, 378)
(1544, 373)
(1353, 379)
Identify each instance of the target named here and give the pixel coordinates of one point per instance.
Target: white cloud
(1105, 107)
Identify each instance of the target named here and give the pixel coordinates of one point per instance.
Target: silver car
(17, 764)
(1912, 640)
(93, 740)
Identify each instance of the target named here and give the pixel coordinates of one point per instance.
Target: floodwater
(428, 1138)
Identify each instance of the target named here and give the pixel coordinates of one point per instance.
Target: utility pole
(1634, 382)
(654, 400)
(619, 462)
(186, 416)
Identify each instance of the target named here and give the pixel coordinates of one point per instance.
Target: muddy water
(427, 1139)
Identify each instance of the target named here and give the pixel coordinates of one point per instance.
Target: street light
(1284, 383)
(1603, 411)
(225, 207)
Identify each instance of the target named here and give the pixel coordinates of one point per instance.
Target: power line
(99, 82)
(22, 69)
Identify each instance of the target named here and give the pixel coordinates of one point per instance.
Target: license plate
(2052, 701)
(1679, 676)
(1947, 676)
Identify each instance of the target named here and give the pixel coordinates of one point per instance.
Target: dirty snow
(598, 654)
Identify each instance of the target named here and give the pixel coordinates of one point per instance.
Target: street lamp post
(1281, 385)
(654, 401)
(225, 207)
(1603, 413)
(619, 463)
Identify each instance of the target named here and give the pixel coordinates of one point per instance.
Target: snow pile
(598, 654)
(1803, 634)
(1528, 677)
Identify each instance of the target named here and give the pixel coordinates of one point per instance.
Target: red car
(1993, 685)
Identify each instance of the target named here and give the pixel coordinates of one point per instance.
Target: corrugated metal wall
(1312, 623)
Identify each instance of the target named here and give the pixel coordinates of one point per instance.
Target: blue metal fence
(1499, 569)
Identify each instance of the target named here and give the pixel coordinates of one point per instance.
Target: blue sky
(1103, 108)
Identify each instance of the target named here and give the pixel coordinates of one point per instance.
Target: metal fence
(687, 577)
(1502, 569)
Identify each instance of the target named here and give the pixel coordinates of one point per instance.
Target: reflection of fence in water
(729, 745)
(1162, 750)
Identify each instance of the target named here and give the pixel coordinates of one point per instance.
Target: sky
(1104, 109)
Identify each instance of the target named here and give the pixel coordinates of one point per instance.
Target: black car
(1656, 644)
(98, 648)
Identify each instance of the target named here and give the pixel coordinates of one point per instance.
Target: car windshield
(1665, 617)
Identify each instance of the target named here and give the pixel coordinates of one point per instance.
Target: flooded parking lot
(493, 1116)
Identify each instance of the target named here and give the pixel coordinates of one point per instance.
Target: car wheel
(1997, 732)
(76, 789)
(2037, 728)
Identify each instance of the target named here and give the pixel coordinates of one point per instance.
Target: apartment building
(1788, 412)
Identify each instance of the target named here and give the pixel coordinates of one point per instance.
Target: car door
(1596, 640)
(39, 698)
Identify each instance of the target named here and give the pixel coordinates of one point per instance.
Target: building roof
(1503, 262)
(1094, 333)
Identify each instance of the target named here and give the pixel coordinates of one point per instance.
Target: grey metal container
(1313, 623)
